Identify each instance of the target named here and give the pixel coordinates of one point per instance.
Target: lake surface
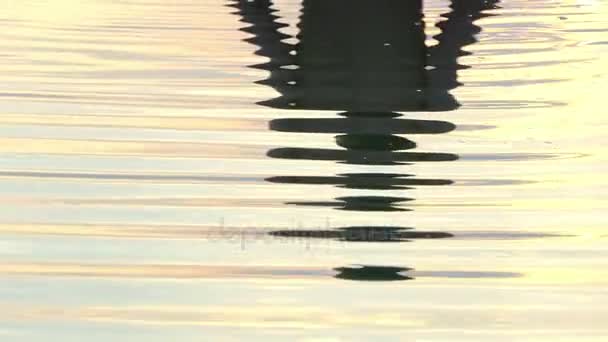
(303, 171)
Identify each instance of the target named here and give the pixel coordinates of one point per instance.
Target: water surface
(303, 170)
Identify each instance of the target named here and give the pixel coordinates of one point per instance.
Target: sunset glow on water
(336, 170)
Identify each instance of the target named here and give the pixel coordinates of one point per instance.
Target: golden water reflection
(140, 200)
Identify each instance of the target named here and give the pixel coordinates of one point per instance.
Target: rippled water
(303, 170)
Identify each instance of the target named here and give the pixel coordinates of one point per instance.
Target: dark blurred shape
(360, 157)
(362, 123)
(368, 60)
(372, 273)
(363, 234)
(374, 142)
(359, 55)
(369, 65)
(370, 181)
(361, 203)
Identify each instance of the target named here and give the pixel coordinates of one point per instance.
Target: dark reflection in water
(361, 203)
(391, 273)
(372, 273)
(369, 61)
(367, 157)
(372, 181)
(363, 234)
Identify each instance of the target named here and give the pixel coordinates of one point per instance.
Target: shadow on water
(371, 69)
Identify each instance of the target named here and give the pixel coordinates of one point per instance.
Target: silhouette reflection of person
(360, 56)
(369, 61)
